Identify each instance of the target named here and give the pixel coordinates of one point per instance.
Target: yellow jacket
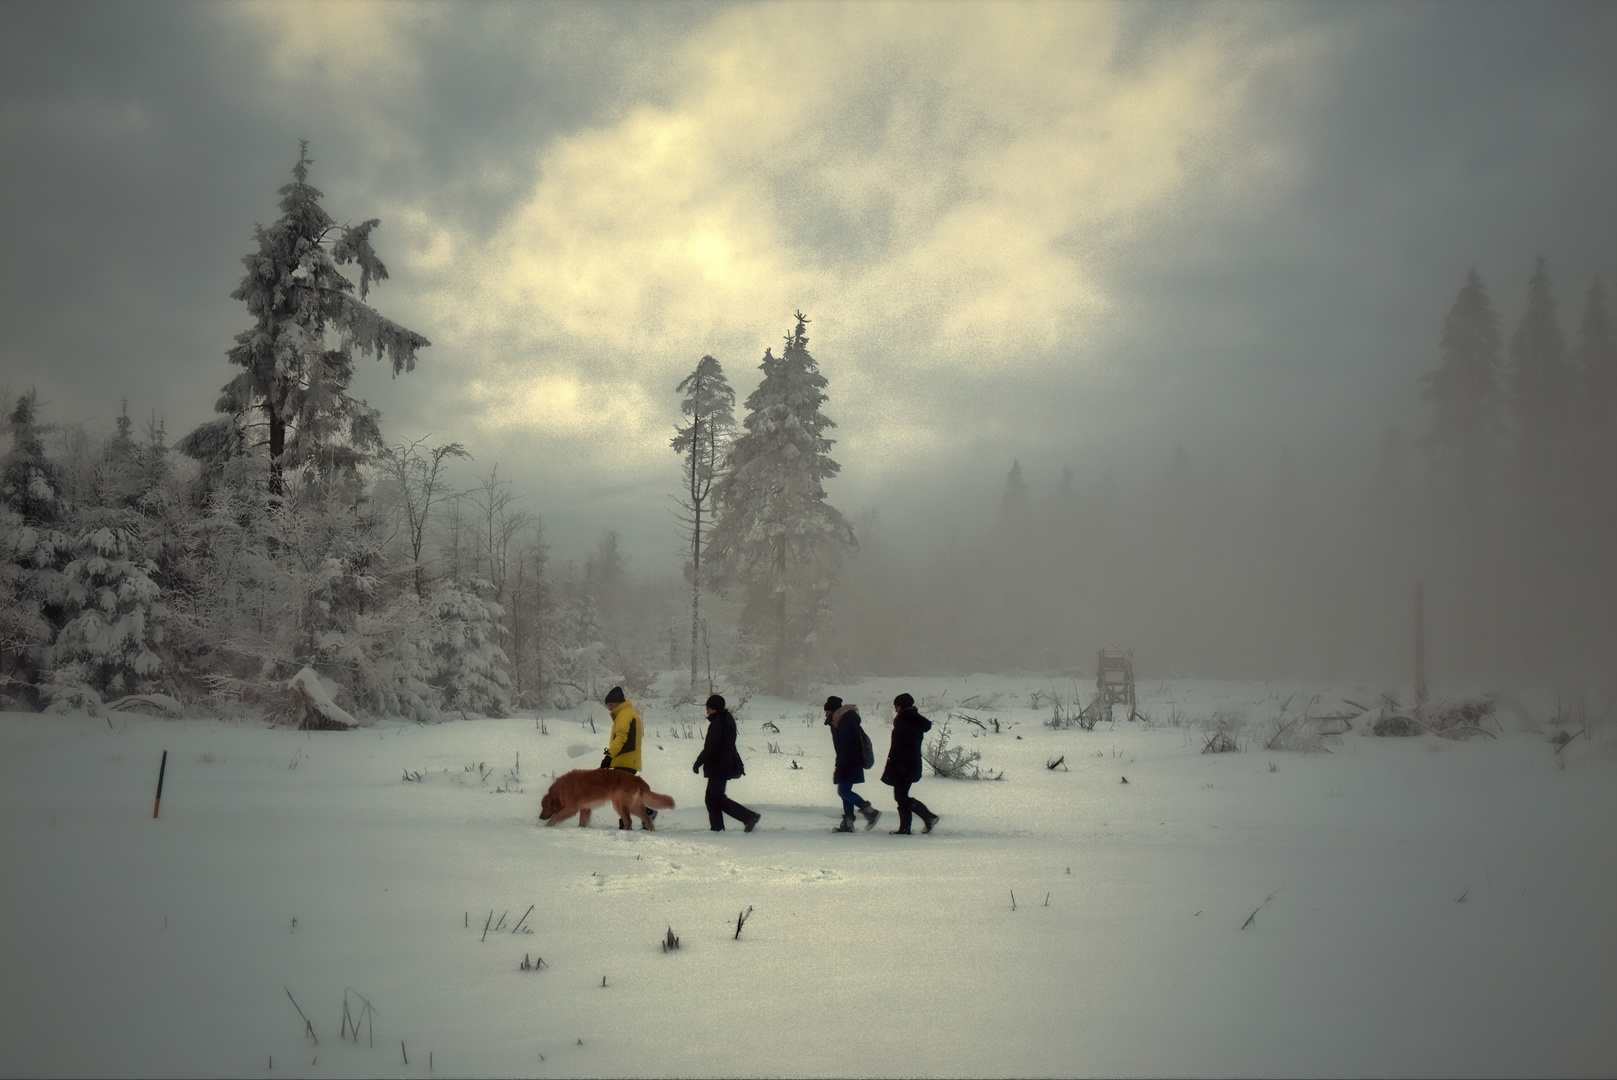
(628, 732)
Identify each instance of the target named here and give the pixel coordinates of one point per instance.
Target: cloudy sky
(1074, 234)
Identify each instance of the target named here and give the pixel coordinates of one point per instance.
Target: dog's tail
(660, 801)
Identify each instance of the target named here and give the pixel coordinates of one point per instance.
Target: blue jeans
(851, 799)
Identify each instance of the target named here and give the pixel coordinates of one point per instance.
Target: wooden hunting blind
(1114, 678)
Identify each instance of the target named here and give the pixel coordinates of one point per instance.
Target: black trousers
(719, 804)
(908, 806)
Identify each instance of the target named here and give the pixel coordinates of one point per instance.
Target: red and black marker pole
(161, 769)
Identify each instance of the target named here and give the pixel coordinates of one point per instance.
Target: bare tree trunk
(277, 447)
(696, 588)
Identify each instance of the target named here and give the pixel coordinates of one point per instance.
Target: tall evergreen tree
(1466, 398)
(297, 359)
(606, 576)
(1015, 506)
(1465, 444)
(1541, 396)
(701, 445)
(30, 482)
(778, 537)
(34, 594)
(1595, 360)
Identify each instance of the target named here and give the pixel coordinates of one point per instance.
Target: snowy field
(1422, 906)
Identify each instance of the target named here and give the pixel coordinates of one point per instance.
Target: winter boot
(753, 820)
(871, 814)
(930, 820)
(902, 830)
(847, 824)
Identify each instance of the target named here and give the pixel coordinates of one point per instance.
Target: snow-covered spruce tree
(297, 359)
(701, 444)
(108, 645)
(33, 550)
(33, 593)
(30, 482)
(117, 479)
(471, 665)
(778, 538)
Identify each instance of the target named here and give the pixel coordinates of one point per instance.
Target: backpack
(867, 751)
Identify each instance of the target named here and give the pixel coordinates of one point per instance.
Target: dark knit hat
(833, 703)
(716, 702)
(614, 695)
(903, 701)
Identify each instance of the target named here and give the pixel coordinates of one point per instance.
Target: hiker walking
(720, 763)
(904, 763)
(852, 749)
(623, 745)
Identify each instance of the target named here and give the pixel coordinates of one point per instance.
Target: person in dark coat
(904, 764)
(847, 731)
(720, 763)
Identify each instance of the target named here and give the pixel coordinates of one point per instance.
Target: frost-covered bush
(114, 619)
(954, 761)
(471, 670)
(32, 590)
(388, 660)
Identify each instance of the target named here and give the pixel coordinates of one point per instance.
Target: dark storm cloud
(144, 140)
(1286, 290)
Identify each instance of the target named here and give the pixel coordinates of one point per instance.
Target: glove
(606, 760)
(696, 766)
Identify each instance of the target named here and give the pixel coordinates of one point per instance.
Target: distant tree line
(289, 532)
(1505, 506)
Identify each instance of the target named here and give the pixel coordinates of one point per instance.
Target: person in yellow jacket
(628, 732)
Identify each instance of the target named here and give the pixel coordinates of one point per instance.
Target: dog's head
(548, 805)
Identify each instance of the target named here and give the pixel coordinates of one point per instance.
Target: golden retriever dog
(582, 790)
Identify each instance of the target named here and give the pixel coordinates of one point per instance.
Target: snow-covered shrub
(389, 658)
(1224, 729)
(67, 689)
(32, 592)
(114, 619)
(470, 673)
(954, 761)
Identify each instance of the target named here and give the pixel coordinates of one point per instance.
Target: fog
(1184, 265)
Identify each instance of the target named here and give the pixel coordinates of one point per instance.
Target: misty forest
(291, 532)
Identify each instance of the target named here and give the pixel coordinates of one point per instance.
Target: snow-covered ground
(1423, 907)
